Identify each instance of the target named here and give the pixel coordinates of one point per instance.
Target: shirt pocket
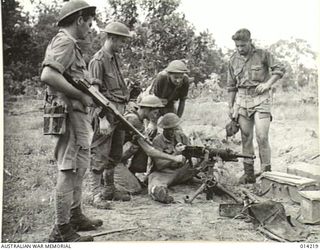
(257, 73)
(237, 71)
(110, 81)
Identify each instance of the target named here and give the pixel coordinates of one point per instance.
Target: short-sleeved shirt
(105, 72)
(161, 143)
(64, 55)
(249, 72)
(165, 89)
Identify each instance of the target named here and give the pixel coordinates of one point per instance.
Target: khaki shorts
(264, 110)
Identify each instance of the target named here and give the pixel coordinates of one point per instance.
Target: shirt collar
(107, 53)
(70, 37)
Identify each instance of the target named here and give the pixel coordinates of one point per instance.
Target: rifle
(225, 154)
(208, 156)
(103, 102)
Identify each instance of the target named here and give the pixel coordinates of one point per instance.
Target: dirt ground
(29, 180)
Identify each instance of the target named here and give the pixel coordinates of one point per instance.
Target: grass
(30, 170)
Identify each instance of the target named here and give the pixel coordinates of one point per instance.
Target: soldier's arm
(181, 106)
(56, 80)
(277, 71)
(159, 156)
(232, 89)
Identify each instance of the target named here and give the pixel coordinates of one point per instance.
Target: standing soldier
(171, 85)
(107, 146)
(252, 72)
(64, 57)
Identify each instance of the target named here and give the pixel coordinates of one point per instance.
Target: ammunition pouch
(55, 114)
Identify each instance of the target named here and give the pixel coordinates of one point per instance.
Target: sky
(268, 20)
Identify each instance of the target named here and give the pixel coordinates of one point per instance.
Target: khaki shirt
(249, 72)
(165, 89)
(105, 72)
(163, 144)
(64, 55)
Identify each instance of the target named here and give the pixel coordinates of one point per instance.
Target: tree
(161, 35)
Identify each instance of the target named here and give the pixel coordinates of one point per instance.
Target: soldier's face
(243, 47)
(84, 27)
(169, 133)
(154, 115)
(176, 78)
(118, 43)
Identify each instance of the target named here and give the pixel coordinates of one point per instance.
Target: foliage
(300, 62)
(161, 34)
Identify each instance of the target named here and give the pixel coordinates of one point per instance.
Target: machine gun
(225, 154)
(209, 158)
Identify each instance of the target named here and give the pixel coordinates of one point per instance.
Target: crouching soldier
(168, 173)
(171, 85)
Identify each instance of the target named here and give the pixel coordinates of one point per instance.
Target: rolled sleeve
(96, 72)
(276, 67)
(60, 54)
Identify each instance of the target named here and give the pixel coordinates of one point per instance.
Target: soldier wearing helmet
(251, 74)
(64, 57)
(109, 136)
(172, 85)
(136, 148)
(168, 173)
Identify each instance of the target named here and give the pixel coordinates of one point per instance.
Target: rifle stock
(102, 102)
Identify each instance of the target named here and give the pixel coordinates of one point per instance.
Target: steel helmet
(177, 66)
(150, 101)
(117, 28)
(169, 120)
(72, 7)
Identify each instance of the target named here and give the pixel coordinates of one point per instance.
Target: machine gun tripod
(209, 157)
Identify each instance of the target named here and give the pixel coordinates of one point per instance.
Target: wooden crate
(284, 186)
(310, 207)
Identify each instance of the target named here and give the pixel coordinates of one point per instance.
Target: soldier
(167, 173)
(64, 57)
(107, 145)
(148, 108)
(171, 85)
(252, 72)
(140, 150)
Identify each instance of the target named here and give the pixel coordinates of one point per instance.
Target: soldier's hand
(104, 126)
(262, 87)
(231, 112)
(87, 101)
(180, 159)
(180, 147)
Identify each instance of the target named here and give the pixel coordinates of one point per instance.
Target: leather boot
(266, 168)
(110, 192)
(263, 169)
(248, 177)
(80, 222)
(65, 233)
(160, 193)
(100, 203)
